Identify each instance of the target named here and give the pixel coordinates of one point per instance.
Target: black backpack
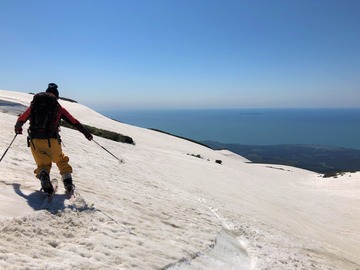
(43, 115)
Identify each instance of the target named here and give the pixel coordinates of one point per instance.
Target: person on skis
(44, 114)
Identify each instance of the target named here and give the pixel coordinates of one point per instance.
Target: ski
(46, 204)
(71, 199)
(71, 196)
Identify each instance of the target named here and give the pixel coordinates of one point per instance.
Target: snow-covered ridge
(165, 209)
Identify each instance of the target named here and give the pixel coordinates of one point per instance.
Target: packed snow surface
(165, 208)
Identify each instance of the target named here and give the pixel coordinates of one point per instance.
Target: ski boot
(46, 185)
(68, 185)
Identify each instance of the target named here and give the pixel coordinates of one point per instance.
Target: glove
(83, 130)
(89, 136)
(18, 130)
(18, 127)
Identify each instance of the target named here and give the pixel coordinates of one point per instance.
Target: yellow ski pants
(44, 156)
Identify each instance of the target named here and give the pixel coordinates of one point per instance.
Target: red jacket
(62, 114)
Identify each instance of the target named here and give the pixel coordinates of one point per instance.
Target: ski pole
(121, 161)
(8, 148)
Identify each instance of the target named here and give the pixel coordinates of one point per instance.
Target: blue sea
(332, 127)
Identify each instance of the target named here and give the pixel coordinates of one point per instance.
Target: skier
(44, 114)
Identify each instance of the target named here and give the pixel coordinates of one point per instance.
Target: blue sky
(142, 54)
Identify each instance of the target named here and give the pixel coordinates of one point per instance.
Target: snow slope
(166, 209)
